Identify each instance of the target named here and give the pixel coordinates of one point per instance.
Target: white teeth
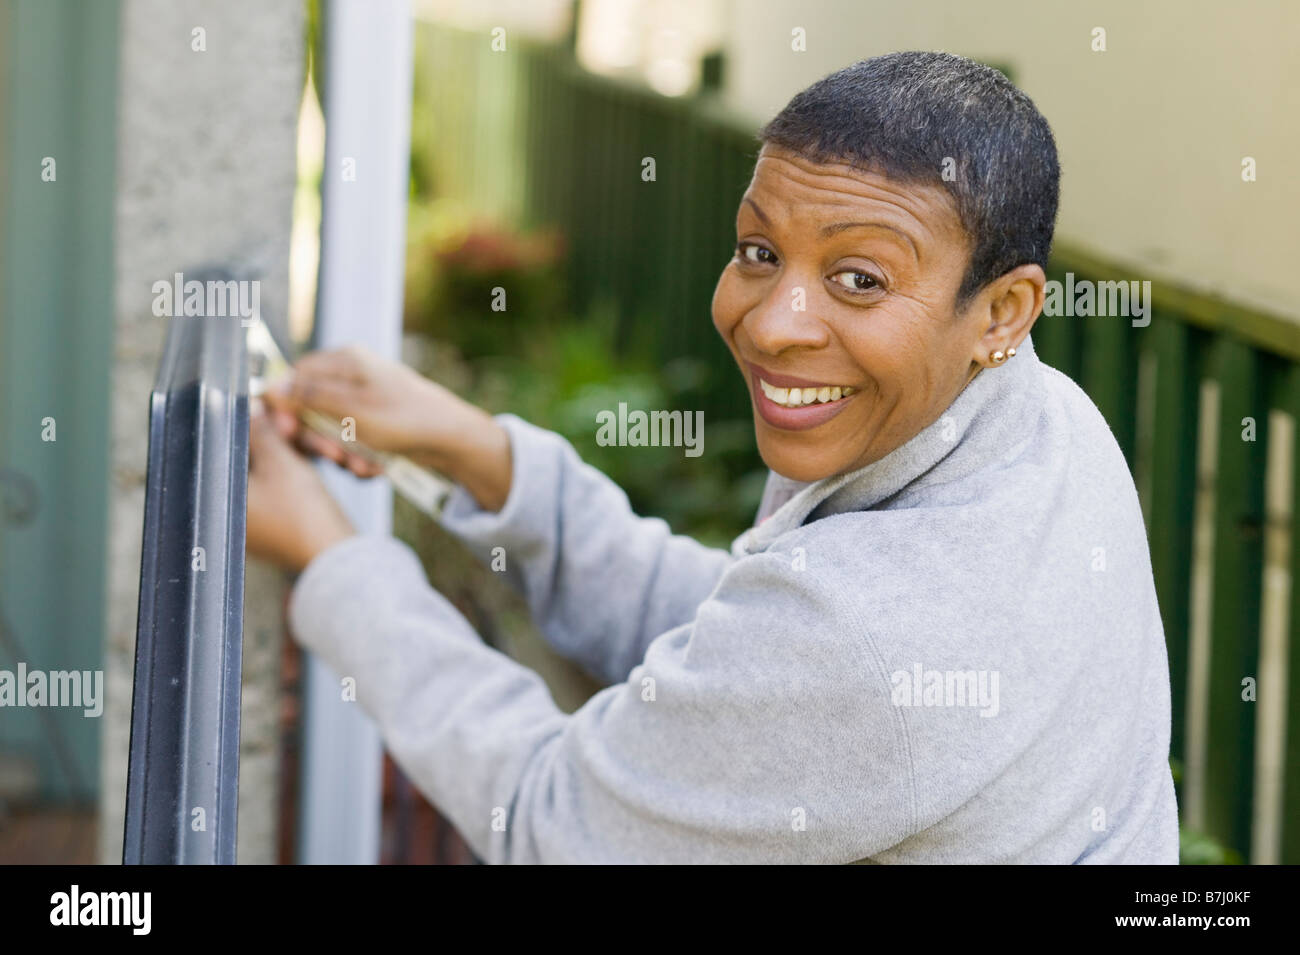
(798, 397)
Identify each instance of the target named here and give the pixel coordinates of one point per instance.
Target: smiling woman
(943, 645)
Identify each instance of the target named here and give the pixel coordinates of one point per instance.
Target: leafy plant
(1196, 848)
(479, 285)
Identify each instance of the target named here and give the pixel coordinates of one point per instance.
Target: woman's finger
(344, 364)
(327, 395)
(320, 445)
(265, 443)
(362, 466)
(290, 428)
(286, 422)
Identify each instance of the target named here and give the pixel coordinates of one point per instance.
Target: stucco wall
(206, 169)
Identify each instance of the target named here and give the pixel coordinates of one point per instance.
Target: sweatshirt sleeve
(759, 731)
(569, 540)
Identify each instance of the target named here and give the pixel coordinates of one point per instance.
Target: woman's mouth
(798, 397)
(796, 404)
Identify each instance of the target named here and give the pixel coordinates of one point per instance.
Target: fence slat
(1237, 575)
(1109, 375)
(1058, 339)
(1287, 398)
(1171, 502)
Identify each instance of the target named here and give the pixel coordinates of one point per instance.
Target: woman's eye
(855, 281)
(755, 254)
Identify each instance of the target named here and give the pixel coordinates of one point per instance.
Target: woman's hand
(395, 410)
(291, 516)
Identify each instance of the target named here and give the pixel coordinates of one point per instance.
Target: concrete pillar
(207, 116)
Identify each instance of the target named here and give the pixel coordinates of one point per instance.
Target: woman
(941, 642)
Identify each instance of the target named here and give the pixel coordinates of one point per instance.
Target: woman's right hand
(396, 410)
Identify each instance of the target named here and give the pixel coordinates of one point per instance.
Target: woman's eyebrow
(837, 227)
(761, 214)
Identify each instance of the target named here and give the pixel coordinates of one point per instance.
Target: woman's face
(844, 283)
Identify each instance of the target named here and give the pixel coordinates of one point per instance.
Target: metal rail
(183, 775)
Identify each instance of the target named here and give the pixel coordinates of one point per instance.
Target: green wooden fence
(528, 135)
(1252, 358)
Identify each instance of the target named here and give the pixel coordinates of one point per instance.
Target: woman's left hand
(291, 515)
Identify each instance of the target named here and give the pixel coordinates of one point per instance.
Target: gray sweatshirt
(952, 655)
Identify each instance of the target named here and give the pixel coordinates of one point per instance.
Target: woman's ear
(1011, 304)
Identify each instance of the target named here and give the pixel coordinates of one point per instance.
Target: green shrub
(1196, 848)
(479, 285)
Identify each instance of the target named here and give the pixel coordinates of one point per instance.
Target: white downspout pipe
(367, 106)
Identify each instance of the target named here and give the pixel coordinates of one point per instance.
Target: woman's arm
(393, 408)
(759, 731)
(600, 581)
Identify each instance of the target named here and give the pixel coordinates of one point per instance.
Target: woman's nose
(786, 318)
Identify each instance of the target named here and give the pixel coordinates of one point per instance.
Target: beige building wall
(1151, 132)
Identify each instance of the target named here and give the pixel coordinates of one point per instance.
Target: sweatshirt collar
(987, 419)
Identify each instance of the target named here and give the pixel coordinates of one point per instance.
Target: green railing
(529, 136)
